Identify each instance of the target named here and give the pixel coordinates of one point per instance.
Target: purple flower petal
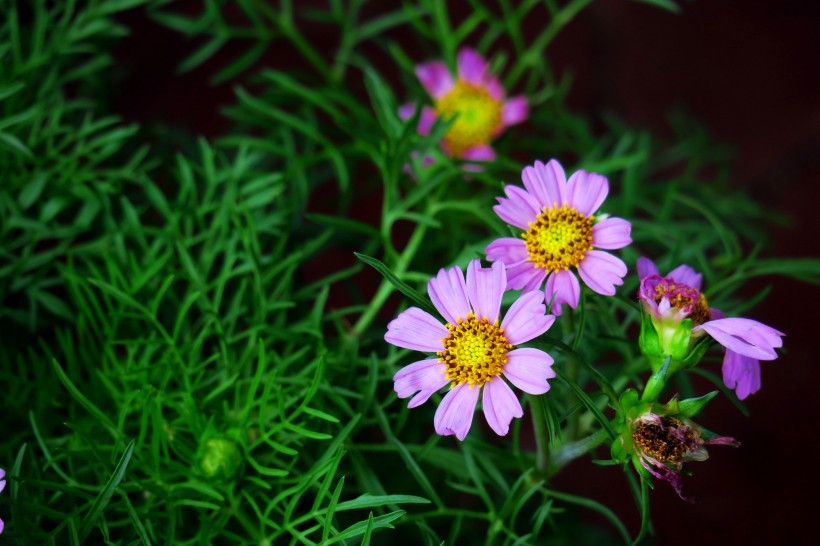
(646, 268)
(406, 111)
(744, 336)
(526, 319)
(546, 183)
(515, 110)
(564, 286)
(472, 68)
(587, 191)
(611, 233)
(478, 153)
(529, 369)
(426, 376)
(448, 291)
(485, 287)
(455, 413)
(416, 329)
(683, 274)
(741, 373)
(602, 271)
(519, 210)
(500, 405)
(435, 77)
(493, 86)
(508, 250)
(426, 121)
(524, 276)
(716, 313)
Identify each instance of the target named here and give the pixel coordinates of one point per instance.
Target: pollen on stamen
(474, 351)
(559, 238)
(667, 441)
(685, 298)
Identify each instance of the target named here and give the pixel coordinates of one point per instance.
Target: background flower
(474, 99)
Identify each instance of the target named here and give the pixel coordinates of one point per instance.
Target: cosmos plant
(191, 354)
(563, 231)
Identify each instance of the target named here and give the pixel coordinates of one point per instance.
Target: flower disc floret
(474, 351)
(477, 117)
(559, 238)
(667, 440)
(690, 301)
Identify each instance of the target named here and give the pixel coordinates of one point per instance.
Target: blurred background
(750, 73)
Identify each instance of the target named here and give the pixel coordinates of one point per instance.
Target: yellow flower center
(559, 238)
(474, 351)
(477, 116)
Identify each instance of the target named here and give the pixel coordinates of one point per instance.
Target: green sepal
(617, 450)
(629, 399)
(679, 344)
(690, 407)
(648, 338)
(696, 353)
(630, 407)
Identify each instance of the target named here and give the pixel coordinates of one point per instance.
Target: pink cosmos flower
(677, 296)
(473, 352)
(475, 99)
(560, 232)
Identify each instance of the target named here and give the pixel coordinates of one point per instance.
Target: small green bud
(220, 458)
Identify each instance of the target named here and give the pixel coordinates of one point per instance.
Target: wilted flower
(560, 232)
(661, 438)
(663, 443)
(473, 352)
(680, 316)
(476, 100)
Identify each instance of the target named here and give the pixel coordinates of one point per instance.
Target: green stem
(656, 382)
(535, 51)
(385, 288)
(542, 442)
(573, 372)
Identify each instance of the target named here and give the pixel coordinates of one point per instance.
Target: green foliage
(186, 359)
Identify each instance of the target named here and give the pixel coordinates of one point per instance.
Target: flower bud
(219, 458)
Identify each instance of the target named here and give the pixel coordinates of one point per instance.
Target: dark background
(749, 71)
